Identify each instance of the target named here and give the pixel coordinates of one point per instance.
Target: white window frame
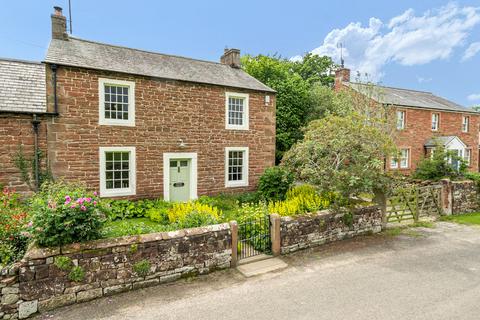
(104, 192)
(246, 117)
(465, 123)
(244, 181)
(407, 158)
(403, 114)
(130, 122)
(167, 156)
(467, 156)
(435, 122)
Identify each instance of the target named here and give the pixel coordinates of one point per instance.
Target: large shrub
(442, 164)
(13, 238)
(300, 199)
(274, 183)
(65, 213)
(193, 214)
(342, 155)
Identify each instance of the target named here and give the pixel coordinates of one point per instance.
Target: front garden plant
(65, 213)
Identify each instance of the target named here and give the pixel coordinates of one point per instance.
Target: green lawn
(134, 226)
(471, 218)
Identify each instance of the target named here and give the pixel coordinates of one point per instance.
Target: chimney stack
(59, 25)
(231, 57)
(341, 75)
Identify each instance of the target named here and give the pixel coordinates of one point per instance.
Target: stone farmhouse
(136, 124)
(423, 120)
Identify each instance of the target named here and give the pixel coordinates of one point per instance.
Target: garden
(61, 213)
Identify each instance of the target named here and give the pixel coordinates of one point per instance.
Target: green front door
(180, 180)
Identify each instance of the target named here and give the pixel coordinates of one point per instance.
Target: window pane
(173, 164)
(117, 170)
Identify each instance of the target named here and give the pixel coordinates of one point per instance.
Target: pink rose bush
(65, 213)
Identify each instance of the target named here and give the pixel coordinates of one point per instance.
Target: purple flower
(88, 199)
(73, 206)
(95, 193)
(94, 203)
(67, 199)
(83, 208)
(30, 224)
(80, 200)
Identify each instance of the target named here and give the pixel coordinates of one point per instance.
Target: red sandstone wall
(166, 111)
(15, 131)
(418, 130)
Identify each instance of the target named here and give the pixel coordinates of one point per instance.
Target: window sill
(119, 124)
(117, 193)
(237, 128)
(236, 184)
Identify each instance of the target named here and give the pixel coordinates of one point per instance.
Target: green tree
(316, 69)
(476, 108)
(324, 101)
(292, 96)
(344, 155)
(292, 81)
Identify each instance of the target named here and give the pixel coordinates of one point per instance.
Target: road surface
(431, 273)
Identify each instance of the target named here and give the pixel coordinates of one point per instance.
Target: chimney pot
(58, 11)
(59, 24)
(231, 57)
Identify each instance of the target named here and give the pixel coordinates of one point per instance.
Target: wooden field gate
(413, 202)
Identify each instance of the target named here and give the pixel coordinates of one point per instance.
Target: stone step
(261, 267)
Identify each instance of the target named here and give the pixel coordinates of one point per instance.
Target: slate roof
(22, 86)
(443, 140)
(408, 98)
(93, 55)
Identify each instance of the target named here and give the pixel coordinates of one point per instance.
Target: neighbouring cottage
(423, 121)
(139, 124)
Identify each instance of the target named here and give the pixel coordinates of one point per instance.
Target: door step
(257, 267)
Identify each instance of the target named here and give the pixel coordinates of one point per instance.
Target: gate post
(447, 197)
(275, 234)
(381, 200)
(234, 231)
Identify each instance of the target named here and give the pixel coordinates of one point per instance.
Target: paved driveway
(430, 274)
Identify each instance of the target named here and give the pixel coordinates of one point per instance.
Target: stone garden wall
(325, 226)
(43, 279)
(465, 197)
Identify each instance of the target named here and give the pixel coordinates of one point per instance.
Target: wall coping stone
(35, 252)
(326, 212)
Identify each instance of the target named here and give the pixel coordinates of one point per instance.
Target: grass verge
(470, 218)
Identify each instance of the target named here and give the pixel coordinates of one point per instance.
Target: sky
(429, 45)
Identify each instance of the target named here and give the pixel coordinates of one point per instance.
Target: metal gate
(414, 202)
(254, 237)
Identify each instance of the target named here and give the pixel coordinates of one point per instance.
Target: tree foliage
(292, 81)
(344, 155)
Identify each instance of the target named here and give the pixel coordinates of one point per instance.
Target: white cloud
(471, 51)
(474, 97)
(423, 80)
(406, 39)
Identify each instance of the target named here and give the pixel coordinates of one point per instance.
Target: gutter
(54, 68)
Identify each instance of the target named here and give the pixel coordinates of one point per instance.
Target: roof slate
(22, 86)
(407, 98)
(93, 55)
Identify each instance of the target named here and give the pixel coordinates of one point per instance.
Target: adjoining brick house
(423, 120)
(138, 124)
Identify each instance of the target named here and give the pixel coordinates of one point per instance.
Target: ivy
(26, 166)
